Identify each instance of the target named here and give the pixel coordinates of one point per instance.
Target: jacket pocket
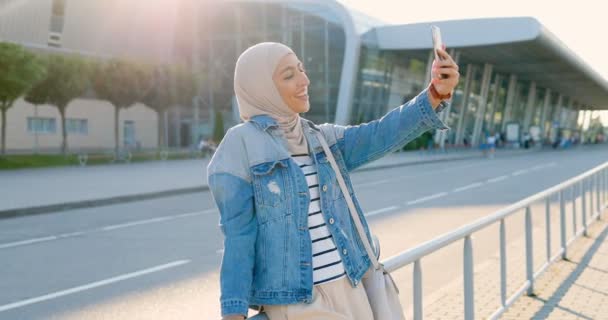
(270, 183)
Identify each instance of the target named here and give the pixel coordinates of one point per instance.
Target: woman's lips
(303, 97)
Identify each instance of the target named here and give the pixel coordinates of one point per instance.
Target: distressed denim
(263, 199)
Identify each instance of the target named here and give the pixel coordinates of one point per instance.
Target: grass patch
(8, 162)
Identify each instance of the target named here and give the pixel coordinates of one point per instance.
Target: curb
(20, 212)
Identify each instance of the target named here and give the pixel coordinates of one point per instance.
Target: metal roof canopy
(521, 46)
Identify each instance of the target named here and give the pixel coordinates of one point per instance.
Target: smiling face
(292, 83)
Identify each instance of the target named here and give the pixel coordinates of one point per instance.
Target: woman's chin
(302, 108)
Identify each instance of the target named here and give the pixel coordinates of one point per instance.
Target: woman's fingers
(444, 56)
(445, 74)
(450, 71)
(445, 64)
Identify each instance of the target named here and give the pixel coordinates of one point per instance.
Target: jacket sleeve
(230, 184)
(234, 198)
(367, 142)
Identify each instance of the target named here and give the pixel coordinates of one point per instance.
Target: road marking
(379, 211)
(470, 186)
(24, 242)
(431, 197)
(92, 285)
(135, 223)
(497, 179)
(430, 172)
(519, 172)
(106, 228)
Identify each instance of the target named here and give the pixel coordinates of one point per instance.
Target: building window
(129, 133)
(77, 126)
(41, 125)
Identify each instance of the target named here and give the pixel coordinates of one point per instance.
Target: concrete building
(516, 77)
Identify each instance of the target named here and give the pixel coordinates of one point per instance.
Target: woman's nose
(304, 81)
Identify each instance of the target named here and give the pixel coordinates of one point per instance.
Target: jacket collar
(264, 121)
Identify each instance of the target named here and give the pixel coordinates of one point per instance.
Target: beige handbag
(382, 292)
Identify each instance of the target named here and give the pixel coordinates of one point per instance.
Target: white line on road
(431, 197)
(107, 228)
(91, 285)
(519, 172)
(71, 234)
(379, 211)
(426, 173)
(497, 179)
(24, 242)
(159, 219)
(136, 223)
(470, 186)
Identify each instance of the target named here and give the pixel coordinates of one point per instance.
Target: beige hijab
(256, 93)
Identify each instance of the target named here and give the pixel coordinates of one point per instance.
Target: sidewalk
(32, 191)
(571, 289)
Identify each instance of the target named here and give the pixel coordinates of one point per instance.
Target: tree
(158, 98)
(67, 78)
(122, 83)
(171, 85)
(19, 70)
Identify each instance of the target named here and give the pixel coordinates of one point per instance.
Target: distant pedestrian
(491, 141)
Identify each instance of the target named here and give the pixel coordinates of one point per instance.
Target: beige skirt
(336, 300)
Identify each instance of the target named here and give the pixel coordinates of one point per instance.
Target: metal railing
(592, 184)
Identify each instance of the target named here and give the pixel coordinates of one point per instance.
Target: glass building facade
(384, 78)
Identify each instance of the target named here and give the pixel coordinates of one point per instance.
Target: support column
(558, 108)
(492, 111)
(485, 86)
(465, 101)
(529, 112)
(544, 113)
(509, 106)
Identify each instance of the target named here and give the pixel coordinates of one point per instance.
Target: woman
(290, 245)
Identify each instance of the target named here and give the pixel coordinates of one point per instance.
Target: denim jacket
(263, 199)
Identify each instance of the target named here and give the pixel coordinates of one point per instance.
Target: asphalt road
(159, 259)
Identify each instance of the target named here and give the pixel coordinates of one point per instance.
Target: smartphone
(437, 42)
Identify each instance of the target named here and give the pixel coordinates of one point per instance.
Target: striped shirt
(326, 261)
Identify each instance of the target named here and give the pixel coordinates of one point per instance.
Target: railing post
(584, 205)
(529, 251)
(469, 304)
(503, 264)
(597, 190)
(573, 191)
(562, 223)
(605, 185)
(548, 226)
(591, 192)
(417, 291)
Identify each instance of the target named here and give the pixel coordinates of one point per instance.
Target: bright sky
(576, 23)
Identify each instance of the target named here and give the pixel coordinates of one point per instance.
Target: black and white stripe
(326, 261)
